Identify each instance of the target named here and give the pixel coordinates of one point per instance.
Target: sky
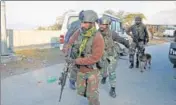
(29, 14)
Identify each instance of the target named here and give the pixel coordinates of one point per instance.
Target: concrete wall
(18, 38)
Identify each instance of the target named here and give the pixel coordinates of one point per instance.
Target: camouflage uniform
(110, 56)
(87, 60)
(140, 37)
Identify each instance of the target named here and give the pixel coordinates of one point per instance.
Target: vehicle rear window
(71, 19)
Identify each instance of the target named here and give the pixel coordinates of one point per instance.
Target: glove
(70, 61)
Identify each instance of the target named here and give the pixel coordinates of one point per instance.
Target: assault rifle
(63, 78)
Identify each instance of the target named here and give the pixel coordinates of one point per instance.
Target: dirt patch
(156, 41)
(31, 59)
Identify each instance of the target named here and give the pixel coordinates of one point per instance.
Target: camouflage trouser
(92, 81)
(110, 69)
(140, 49)
(73, 74)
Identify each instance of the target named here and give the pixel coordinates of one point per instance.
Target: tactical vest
(110, 49)
(87, 51)
(138, 32)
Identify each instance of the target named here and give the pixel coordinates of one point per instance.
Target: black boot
(112, 92)
(103, 81)
(131, 65)
(174, 66)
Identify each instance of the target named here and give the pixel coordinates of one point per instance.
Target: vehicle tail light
(61, 40)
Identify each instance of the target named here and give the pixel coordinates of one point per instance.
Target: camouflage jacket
(139, 32)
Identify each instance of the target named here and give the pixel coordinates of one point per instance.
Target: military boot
(103, 81)
(112, 92)
(174, 66)
(72, 84)
(131, 65)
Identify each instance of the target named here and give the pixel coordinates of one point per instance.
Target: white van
(169, 32)
(115, 26)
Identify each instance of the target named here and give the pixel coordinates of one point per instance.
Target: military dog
(144, 61)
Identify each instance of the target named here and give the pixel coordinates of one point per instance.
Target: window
(118, 26)
(70, 20)
(113, 26)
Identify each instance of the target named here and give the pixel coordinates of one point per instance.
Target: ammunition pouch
(98, 65)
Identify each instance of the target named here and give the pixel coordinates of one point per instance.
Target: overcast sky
(25, 14)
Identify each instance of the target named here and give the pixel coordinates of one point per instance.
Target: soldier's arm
(97, 52)
(73, 27)
(128, 31)
(119, 39)
(71, 41)
(146, 32)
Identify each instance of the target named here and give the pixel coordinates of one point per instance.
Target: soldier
(73, 27)
(110, 54)
(140, 37)
(88, 48)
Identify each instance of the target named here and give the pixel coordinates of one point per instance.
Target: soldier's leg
(137, 58)
(88, 85)
(81, 83)
(140, 52)
(112, 76)
(104, 72)
(132, 50)
(73, 77)
(92, 88)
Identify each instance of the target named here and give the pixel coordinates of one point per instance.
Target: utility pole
(4, 50)
(3, 36)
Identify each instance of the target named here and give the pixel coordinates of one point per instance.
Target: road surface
(153, 87)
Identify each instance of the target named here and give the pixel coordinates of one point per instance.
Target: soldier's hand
(70, 61)
(147, 40)
(108, 60)
(127, 44)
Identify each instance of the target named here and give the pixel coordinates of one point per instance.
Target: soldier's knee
(112, 76)
(94, 101)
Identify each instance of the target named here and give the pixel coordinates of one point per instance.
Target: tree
(55, 27)
(129, 18)
(40, 28)
(111, 12)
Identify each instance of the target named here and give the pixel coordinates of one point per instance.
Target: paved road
(153, 87)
